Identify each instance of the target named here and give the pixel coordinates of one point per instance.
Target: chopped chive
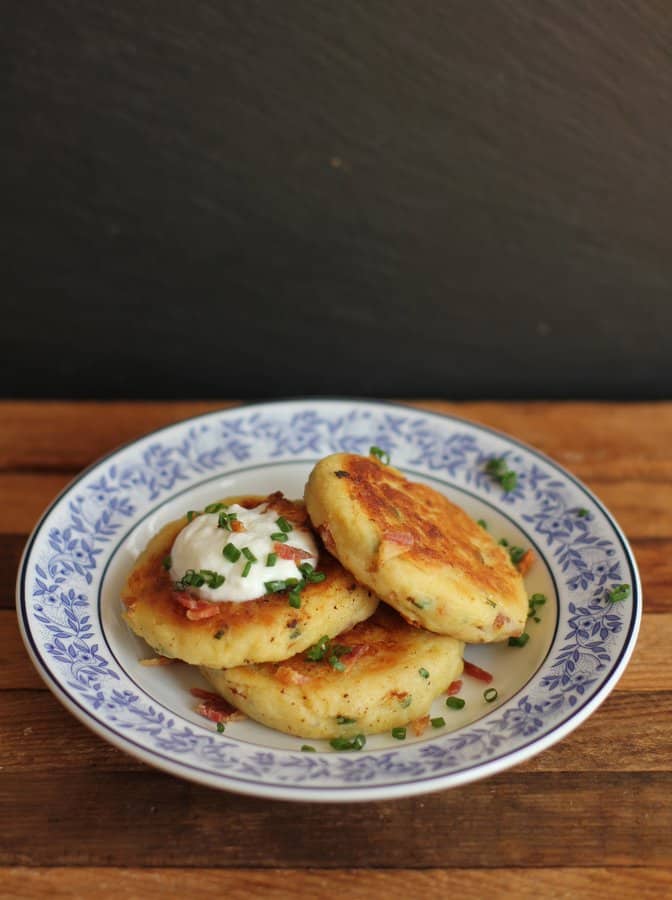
(218, 635)
(271, 560)
(306, 748)
(167, 562)
(344, 720)
(582, 512)
(344, 744)
(246, 569)
(190, 514)
(306, 569)
(509, 482)
(516, 554)
(438, 722)
(335, 663)
(247, 553)
(500, 472)
(538, 599)
(291, 582)
(619, 592)
(496, 466)
(294, 599)
(214, 507)
(490, 695)
(490, 602)
(482, 523)
(519, 641)
(231, 552)
(382, 455)
(316, 577)
(216, 581)
(455, 703)
(294, 634)
(317, 651)
(406, 702)
(273, 587)
(340, 649)
(220, 727)
(423, 673)
(503, 542)
(279, 536)
(399, 733)
(284, 525)
(422, 603)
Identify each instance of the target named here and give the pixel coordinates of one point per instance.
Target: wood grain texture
(282, 884)
(485, 824)
(500, 172)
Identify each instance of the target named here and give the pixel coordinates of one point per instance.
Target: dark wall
(386, 198)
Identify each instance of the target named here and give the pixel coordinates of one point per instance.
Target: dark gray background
(456, 199)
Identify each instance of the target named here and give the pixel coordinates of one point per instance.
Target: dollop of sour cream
(200, 544)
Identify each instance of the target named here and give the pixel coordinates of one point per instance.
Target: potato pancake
(416, 550)
(379, 675)
(176, 623)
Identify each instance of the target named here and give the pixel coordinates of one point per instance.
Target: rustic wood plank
(39, 734)
(596, 441)
(130, 819)
(24, 496)
(397, 884)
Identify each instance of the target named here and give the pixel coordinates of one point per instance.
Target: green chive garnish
(491, 603)
(306, 748)
(167, 562)
(482, 523)
(509, 482)
(344, 744)
(317, 651)
(455, 703)
(582, 513)
(519, 641)
(490, 695)
(246, 569)
(335, 663)
(216, 581)
(271, 559)
(344, 720)
(382, 455)
(220, 727)
(190, 514)
(438, 722)
(294, 599)
(500, 472)
(279, 536)
(619, 592)
(273, 587)
(399, 733)
(225, 520)
(423, 673)
(231, 552)
(284, 525)
(516, 554)
(247, 553)
(214, 507)
(406, 702)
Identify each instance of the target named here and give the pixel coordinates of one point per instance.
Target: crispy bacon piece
(284, 551)
(214, 707)
(525, 564)
(477, 672)
(237, 526)
(196, 609)
(289, 675)
(393, 544)
(418, 726)
(294, 512)
(454, 688)
(158, 661)
(357, 651)
(500, 620)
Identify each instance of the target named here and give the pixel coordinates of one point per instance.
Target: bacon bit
(357, 651)
(236, 525)
(187, 600)
(327, 538)
(477, 672)
(418, 726)
(525, 564)
(500, 620)
(454, 688)
(393, 544)
(288, 675)
(214, 707)
(207, 612)
(158, 661)
(290, 509)
(296, 554)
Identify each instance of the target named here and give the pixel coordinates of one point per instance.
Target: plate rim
(336, 793)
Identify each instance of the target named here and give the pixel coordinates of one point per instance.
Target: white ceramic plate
(81, 550)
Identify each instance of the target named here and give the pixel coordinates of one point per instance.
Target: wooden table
(592, 816)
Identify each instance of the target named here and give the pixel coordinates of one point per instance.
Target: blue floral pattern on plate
(581, 545)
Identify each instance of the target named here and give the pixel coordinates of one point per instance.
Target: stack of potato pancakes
(325, 659)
